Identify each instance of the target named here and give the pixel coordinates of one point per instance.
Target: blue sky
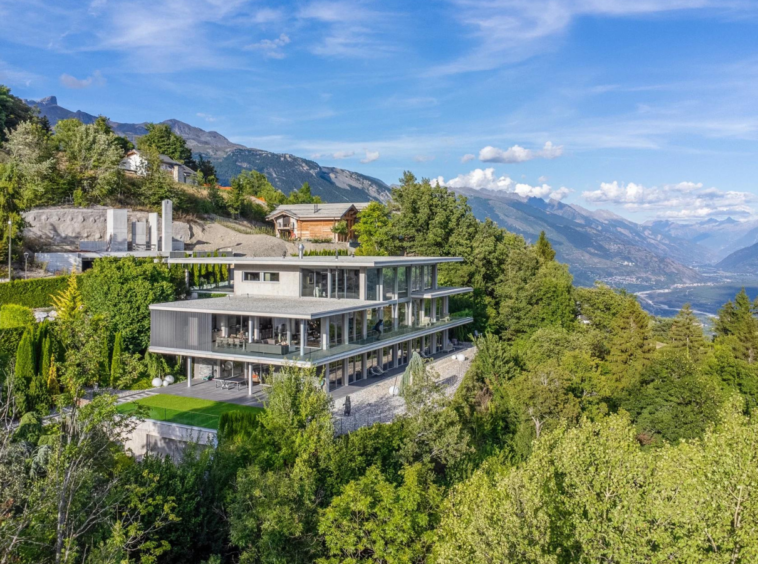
(645, 107)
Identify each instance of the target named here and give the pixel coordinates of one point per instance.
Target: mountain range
(597, 245)
(286, 172)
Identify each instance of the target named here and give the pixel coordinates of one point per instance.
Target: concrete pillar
(256, 328)
(189, 372)
(395, 316)
(433, 347)
(167, 226)
(434, 277)
(303, 337)
(364, 366)
(395, 351)
(116, 229)
(326, 376)
(364, 329)
(249, 368)
(345, 326)
(362, 283)
(345, 368)
(250, 329)
(324, 333)
(355, 328)
(434, 310)
(446, 306)
(289, 331)
(223, 322)
(152, 231)
(446, 339)
(139, 235)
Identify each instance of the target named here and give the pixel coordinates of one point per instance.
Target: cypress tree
(116, 364)
(47, 357)
(686, 334)
(69, 302)
(196, 275)
(24, 373)
(544, 249)
(53, 387)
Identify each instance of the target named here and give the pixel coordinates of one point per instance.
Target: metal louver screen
(180, 330)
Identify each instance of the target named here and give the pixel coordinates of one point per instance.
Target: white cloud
(467, 157)
(272, 48)
(513, 30)
(371, 156)
(683, 200)
(485, 179)
(424, 158)
(542, 178)
(335, 155)
(207, 117)
(96, 79)
(518, 154)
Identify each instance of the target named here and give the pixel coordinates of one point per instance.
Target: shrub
(321, 240)
(37, 292)
(237, 425)
(13, 315)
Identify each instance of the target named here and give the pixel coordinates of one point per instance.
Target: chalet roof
(316, 211)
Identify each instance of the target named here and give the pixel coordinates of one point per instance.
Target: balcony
(285, 353)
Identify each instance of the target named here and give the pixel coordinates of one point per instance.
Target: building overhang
(340, 352)
(442, 292)
(322, 261)
(271, 306)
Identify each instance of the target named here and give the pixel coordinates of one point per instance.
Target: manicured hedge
(36, 292)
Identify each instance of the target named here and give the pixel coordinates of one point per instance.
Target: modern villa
(350, 317)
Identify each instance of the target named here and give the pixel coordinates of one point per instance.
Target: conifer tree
(737, 327)
(686, 334)
(47, 357)
(69, 302)
(116, 361)
(631, 339)
(24, 373)
(544, 249)
(105, 359)
(53, 387)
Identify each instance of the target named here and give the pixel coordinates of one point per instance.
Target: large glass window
(315, 283)
(427, 277)
(388, 283)
(352, 284)
(417, 274)
(402, 282)
(372, 284)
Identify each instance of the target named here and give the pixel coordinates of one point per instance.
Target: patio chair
(375, 371)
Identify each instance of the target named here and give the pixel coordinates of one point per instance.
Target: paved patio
(210, 391)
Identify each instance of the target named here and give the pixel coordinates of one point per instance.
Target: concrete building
(349, 317)
(315, 221)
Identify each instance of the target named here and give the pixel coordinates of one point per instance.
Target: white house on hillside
(134, 163)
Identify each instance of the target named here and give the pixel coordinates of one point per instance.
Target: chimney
(315, 208)
(300, 250)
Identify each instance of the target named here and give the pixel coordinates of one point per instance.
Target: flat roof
(328, 261)
(441, 292)
(270, 306)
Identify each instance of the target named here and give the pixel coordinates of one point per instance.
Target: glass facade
(388, 283)
(372, 284)
(402, 282)
(315, 283)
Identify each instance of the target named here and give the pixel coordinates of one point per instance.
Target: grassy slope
(187, 411)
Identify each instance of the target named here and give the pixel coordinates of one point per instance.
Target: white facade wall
(288, 285)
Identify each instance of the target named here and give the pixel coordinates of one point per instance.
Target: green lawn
(187, 411)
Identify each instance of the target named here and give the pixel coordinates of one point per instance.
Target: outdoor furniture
(375, 371)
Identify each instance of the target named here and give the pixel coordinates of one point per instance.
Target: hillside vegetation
(585, 431)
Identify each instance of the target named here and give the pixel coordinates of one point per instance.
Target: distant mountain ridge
(596, 245)
(720, 237)
(286, 172)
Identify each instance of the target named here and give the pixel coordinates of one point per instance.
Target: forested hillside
(585, 431)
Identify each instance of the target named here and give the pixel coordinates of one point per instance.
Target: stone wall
(162, 438)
